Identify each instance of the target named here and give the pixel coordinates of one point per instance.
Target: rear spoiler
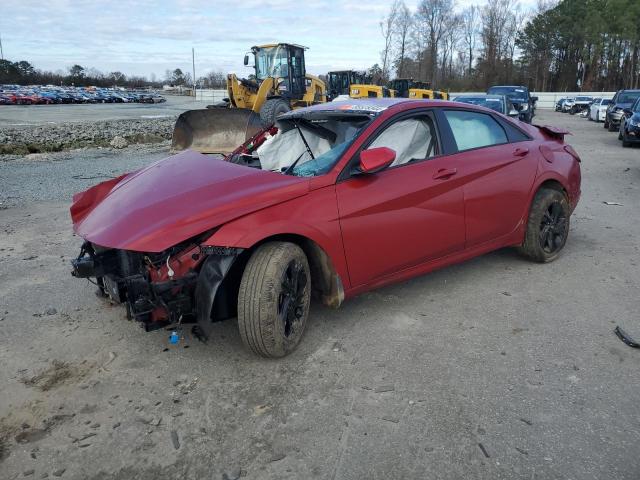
(554, 132)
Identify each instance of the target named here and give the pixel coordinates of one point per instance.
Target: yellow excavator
(280, 84)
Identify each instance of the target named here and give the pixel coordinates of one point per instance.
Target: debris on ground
(186, 388)
(624, 336)
(385, 388)
(613, 203)
(484, 450)
(175, 440)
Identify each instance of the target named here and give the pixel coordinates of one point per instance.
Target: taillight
(569, 149)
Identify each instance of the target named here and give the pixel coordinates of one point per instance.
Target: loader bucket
(214, 130)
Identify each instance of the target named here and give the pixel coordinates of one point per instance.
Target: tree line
(24, 73)
(558, 46)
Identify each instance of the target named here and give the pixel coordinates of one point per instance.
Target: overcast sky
(144, 36)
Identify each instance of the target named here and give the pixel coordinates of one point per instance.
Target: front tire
(274, 298)
(272, 108)
(547, 226)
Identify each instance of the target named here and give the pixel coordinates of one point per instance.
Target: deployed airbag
(281, 150)
(410, 139)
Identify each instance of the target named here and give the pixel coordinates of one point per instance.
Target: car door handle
(444, 173)
(520, 152)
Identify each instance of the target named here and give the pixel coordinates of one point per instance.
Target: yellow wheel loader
(280, 84)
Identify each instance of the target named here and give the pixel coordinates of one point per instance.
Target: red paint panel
(398, 218)
(180, 197)
(497, 181)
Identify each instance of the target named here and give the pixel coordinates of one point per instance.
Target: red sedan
(335, 200)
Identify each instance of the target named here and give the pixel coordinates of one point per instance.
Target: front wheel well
(325, 281)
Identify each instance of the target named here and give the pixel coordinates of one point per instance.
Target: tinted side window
(513, 133)
(474, 130)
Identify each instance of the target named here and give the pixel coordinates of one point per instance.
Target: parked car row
(513, 101)
(620, 114)
(49, 94)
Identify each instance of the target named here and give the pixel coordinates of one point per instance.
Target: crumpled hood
(175, 199)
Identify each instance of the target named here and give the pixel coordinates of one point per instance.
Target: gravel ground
(66, 136)
(496, 368)
(55, 177)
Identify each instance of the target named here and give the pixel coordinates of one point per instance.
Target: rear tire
(272, 108)
(547, 226)
(273, 300)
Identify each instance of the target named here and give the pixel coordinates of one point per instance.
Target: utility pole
(1, 51)
(193, 62)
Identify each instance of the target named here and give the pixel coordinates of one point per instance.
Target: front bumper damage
(178, 285)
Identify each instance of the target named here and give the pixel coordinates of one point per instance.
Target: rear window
(628, 97)
(492, 103)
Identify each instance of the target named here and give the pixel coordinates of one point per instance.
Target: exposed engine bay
(178, 285)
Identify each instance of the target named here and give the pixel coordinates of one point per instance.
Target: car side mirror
(374, 160)
(246, 59)
(534, 99)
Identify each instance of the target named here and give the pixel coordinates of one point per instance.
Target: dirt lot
(496, 368)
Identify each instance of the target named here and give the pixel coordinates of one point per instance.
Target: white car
(568, 103)
(598, 109)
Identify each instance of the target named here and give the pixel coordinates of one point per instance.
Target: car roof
(372, 106)
(368, 105)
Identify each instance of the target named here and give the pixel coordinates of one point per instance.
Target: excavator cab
(423, 90)
(279, 84)
(341, 81)
(402, 86)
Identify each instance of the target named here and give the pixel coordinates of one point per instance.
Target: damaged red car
(332, 200)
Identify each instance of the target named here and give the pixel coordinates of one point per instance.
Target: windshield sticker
(363, 108)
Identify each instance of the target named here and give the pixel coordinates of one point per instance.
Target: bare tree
(450, 41)
(495, 17)
(434, 14)
(402, 29)
(470, 17)
(387, 29)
